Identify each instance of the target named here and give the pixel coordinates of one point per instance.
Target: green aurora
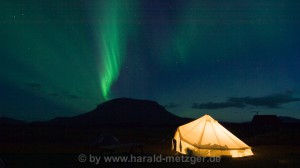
(112, 40)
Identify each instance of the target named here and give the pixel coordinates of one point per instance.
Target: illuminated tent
(206, 137)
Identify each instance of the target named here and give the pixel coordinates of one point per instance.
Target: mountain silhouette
(10, 121)
(124, 111)
(286, 119)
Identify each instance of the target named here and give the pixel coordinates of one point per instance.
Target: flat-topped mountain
(124, 111)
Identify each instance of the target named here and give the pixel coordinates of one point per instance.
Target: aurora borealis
(229, 59)
(112, 39)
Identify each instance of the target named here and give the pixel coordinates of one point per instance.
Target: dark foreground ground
(54, 147)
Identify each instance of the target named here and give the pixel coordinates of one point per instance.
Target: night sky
(230, 59)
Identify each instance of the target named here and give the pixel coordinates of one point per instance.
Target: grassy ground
(60, 147)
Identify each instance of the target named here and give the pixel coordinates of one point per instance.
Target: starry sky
(230, 59)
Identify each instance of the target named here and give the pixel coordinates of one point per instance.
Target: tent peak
(209, 118)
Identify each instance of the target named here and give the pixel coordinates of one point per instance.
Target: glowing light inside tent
(206, 137)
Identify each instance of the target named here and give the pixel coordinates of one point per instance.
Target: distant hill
(286, 119)
(124, 111)
(10, 121)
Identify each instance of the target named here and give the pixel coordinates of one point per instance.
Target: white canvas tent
(206, 137)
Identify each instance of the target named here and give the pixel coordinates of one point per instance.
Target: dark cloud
(34, 85)
(71, 96)
(253, 111)
(171, 105)
(56, 95)
(217, 105)
(68, 96)
(271, 101)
